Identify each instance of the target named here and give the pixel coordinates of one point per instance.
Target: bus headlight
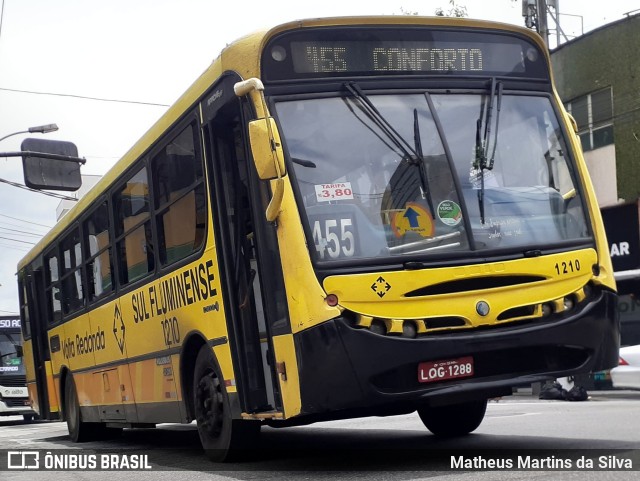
(569, 303)
(378, 327)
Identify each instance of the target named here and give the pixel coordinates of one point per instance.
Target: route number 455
(334, 237)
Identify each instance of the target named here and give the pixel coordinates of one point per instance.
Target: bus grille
(13, 381)
(16, 402)
(412, 328)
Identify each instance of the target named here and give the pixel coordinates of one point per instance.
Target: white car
(627, 374)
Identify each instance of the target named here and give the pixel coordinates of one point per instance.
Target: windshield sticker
(502, 228)
(413, 218)
(476, 178)
(338, 191)
(449, 213)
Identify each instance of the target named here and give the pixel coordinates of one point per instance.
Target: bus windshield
(382, 176)
(9, 360)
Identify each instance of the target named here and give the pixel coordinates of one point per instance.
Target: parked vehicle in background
(627, 374)
(14, 399)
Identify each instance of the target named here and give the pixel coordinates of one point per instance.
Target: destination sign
(426, 51)
(327, 57)
(9, 323)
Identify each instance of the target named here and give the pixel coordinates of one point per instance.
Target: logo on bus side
(86, 344)
(195, 284)
(118, 328)
(381, 287)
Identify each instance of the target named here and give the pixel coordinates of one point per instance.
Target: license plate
(445, 369)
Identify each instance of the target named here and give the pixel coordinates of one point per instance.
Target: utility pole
(536, 13)
(543, 29)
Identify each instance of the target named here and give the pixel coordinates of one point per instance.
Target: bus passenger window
(24, 305)
(72, 291)
(98, 244)
(53, 289)
(133, 228)
(179, 198)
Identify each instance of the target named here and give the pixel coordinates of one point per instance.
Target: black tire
(79, 431)
(455, 419)
(222, 437)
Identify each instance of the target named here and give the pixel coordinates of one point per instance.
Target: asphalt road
(605, 429)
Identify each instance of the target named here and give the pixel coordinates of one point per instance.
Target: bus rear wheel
(454, 419)
(79, 431)
(221, 436)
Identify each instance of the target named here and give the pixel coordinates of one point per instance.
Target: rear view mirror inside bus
(266, 148)
(51, 164)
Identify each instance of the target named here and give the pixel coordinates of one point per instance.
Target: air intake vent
(475, 284)
(13, 381)
(517, 312)
(441, 322)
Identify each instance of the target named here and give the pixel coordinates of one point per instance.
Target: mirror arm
(255, 85)
(26, 153)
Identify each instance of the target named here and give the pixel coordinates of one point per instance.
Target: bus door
(46, 397)
(229, 184)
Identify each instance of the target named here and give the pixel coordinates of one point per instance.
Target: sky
(57, 58)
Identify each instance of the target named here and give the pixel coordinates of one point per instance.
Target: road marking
(506, 415)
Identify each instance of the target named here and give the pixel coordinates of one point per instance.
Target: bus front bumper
(345, 367)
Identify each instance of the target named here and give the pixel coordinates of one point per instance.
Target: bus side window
(98, 248)
(179, 198)
(52, 287)
(134, 242)
(72, 289)
(24, 304)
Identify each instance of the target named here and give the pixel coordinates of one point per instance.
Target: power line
(26, 221)
(17, 248)
(9, 225)
(50, 194)
(83, 97)
(17, 240)
(21, 231)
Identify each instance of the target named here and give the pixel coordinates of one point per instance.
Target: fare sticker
(337, 191)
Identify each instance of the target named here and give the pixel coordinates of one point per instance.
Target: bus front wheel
(454, 419)
(221, 436)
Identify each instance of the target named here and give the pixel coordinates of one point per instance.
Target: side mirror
(51, 164)
(268, 158)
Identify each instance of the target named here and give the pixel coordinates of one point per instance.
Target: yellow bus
(341, 217)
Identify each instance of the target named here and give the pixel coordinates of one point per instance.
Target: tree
(407, 12)
(455, 10)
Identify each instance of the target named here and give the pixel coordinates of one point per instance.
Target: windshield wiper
(483, 146)
(303, 162)
(419, 162)
(412, 154)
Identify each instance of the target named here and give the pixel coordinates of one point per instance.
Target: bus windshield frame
(367, 197)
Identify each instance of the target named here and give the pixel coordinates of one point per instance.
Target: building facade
(598, 78)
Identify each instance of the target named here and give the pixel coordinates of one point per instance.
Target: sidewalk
(526, 394)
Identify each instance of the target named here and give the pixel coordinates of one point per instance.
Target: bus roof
(243, 57)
